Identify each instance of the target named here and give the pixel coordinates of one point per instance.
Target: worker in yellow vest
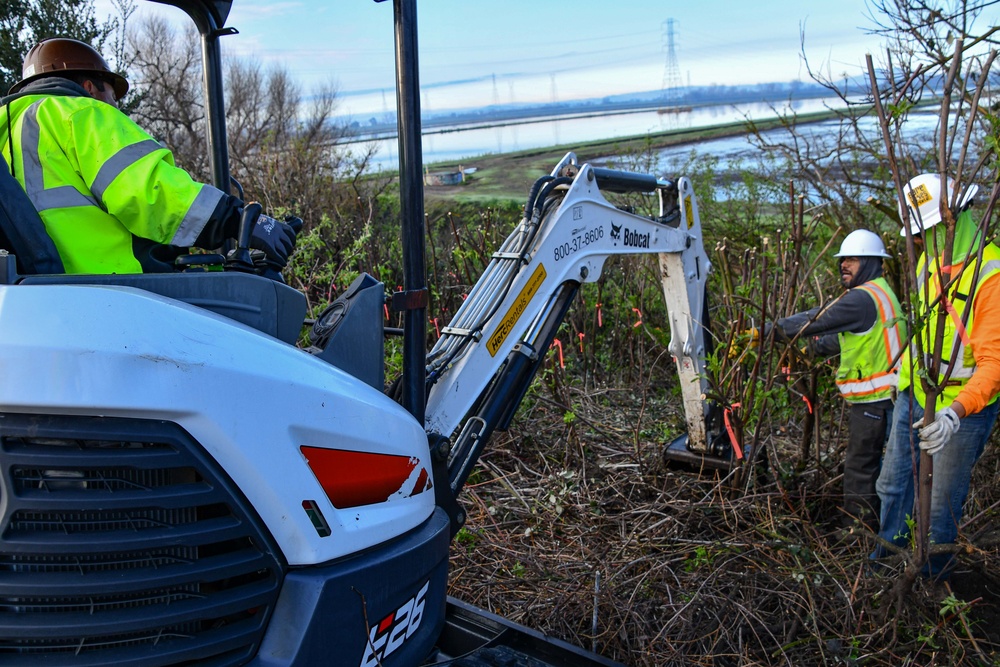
(966, 410)
(106, 191)
(866, 327)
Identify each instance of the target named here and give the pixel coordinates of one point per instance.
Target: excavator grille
(121, 543)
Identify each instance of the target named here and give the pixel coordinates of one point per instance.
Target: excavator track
(474, 637)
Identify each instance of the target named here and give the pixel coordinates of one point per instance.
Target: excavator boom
(482, 364)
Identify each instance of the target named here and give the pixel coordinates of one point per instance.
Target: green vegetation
(577, 526)
(749, 565)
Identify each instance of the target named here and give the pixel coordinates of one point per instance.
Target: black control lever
(239, 258)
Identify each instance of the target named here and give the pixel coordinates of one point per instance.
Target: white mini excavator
(181, 484)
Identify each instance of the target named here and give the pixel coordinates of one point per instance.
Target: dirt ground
(580, 528)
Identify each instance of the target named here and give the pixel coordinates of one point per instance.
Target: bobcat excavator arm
(485, 359)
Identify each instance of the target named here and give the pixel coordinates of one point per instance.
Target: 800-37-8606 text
(578, 243)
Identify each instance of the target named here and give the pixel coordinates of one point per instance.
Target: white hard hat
(923, 194)
(862, 243)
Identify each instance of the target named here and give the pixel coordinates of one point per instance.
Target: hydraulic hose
(529, 205)
(502, 396)
(492, 288)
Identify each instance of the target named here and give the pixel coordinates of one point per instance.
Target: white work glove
(936, 435)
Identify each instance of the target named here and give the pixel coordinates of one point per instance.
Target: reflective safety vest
(96, 178)
(867, 370)
(956, 335)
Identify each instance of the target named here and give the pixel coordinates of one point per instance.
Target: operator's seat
(273, 308)
(22, 232)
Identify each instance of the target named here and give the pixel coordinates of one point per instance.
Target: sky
(474, 53)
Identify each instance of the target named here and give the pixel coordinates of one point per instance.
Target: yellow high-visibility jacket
(869, 362)
(961, 297)
(96, 179)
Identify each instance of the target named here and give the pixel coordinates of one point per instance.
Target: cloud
(262, 10)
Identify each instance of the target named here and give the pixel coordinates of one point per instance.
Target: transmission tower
(672, 85)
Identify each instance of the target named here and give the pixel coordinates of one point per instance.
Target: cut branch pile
(576, 532)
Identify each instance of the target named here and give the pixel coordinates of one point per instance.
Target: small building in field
(447, 177)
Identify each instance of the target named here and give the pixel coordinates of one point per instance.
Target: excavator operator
(109, 195)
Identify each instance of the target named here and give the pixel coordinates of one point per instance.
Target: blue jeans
(950, 485)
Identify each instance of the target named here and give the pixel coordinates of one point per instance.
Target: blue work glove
(294, 222)
(275, 238)
(936, 435)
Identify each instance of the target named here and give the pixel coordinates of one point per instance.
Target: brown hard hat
(61, 55)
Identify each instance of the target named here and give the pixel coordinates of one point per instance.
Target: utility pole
(387, 117)
(513, 128)
(555, 99)
(496, 109)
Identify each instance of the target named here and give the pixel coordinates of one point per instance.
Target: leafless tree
(929, 104)
(167, 69)
(847, 169)
(283, 146)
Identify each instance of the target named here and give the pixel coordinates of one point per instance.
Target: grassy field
(504, 176)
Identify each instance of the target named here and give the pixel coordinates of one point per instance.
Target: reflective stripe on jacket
(867, 372)
(97, 178)
(955, 352)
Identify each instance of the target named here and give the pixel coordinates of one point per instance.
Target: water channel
(460, 143)
(466, 143)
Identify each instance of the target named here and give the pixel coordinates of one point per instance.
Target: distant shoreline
(509, 175)
(504, 116)
(680, 137)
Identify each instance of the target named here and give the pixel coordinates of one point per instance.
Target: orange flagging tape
(557, 343)
(732, 434)
(959, 327)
